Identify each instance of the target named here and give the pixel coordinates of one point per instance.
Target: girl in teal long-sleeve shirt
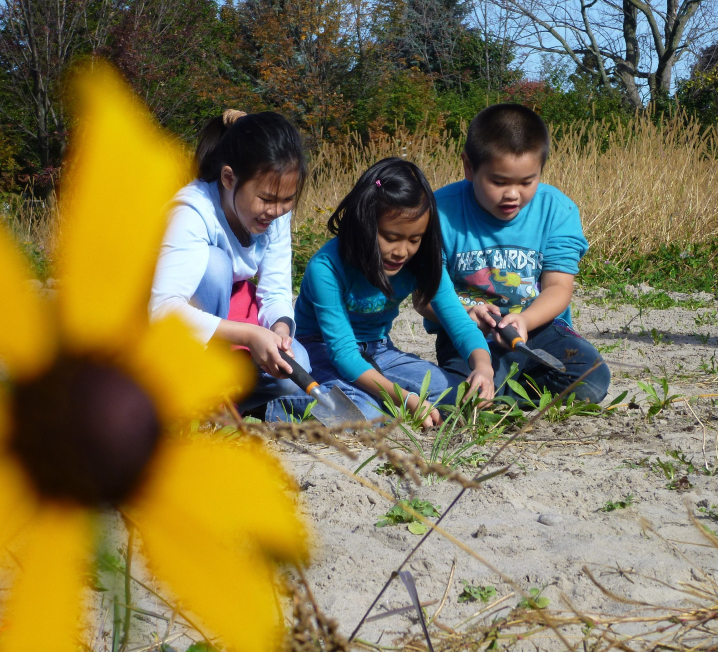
(388, 246)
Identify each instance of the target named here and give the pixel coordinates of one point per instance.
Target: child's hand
(479, 315)
(481, 379)
(264, 346)
(518, 321)
(432, 417)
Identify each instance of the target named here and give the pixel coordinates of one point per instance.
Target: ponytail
(250, 144)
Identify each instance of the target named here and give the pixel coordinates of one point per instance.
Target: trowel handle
(509, 334)
(299, 375)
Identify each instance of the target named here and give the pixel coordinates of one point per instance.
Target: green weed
(399, 516)
(711, 368)
(659, 338)
(709, 318)
(561, 410)
(387, 469)
(612, 506)
(608, 348)
(299, 418)
(657, 403)
(710, 512)
(413, 419)
(473, 593)
(535, 600)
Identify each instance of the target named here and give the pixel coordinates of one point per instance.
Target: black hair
(503, 129)
(253, 144)
(403, 189)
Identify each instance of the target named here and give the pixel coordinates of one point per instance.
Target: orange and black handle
(299, 375)
(508, 333)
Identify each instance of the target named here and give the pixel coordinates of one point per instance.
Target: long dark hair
(253, 144)
(402, 188)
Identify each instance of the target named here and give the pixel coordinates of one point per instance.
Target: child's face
(259, 201)
(505, 184)
(399, 239)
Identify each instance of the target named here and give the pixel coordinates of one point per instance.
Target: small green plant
(473, 593)
(708, 318)
(657, 403)
(387, 469)
(640, 464)
(711, 368)
(305, 416)
(561, 410)
(710, 512)
(402, 412)
(397, 515)
(703, 337)
(612, 506)
(679, 455)
(609, 348)
(535, 600)
(659, 338)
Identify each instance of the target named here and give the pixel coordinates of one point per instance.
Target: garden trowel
(333, 408)
(516, 343)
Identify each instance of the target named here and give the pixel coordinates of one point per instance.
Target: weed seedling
(608, 348)
(402, 412)
(397, 515)
(560, 411)
(387, 469)
(305, 416)
(473, 593)
(709, 369)
(659, 338)
(710, 512)
(657, 403)
(612, 506)
(535, 600)
(709, 318)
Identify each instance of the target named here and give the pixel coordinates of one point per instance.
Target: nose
(511, 192)
(279, 208)
(401, 250)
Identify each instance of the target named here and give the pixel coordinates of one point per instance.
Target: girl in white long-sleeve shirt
(230, 224)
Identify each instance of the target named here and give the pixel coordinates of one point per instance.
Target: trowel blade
(344, 410)
(541, 356)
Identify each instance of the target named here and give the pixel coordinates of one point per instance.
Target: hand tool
(516, 343)
(334, 407)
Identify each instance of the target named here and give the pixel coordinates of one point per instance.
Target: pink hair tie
(378, 183)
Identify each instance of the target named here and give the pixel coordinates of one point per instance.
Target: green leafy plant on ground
(612, 506)
(473, 593)
(535, 600)
(300, 418)
(561, 410)
(656, 402)
(397, 515)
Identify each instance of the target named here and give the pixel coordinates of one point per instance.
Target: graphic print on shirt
(507, 277)
(370, 305)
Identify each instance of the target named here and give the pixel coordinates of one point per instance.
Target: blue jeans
(406, 369)
(556, 338)
(213, 295)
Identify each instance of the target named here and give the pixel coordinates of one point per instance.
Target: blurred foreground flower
(90, 388)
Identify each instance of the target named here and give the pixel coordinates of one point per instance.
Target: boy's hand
(518, 321)
(479, 315)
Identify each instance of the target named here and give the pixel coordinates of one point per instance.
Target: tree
(634, 42)
(699, 93)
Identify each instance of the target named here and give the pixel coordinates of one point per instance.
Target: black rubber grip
(298, 375)
(508, 333)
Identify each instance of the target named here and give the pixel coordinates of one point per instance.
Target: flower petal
(27, 340)
(184, 376)
(230, 590)
(122, 174)
(17, 499)
(227, 490)
(44, 606)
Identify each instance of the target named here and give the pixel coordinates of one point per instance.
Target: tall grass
(638, 186)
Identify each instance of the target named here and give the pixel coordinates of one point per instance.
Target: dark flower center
(84, 431)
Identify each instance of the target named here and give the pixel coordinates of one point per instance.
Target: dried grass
(638, 185)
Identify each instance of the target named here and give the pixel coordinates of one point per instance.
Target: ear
(227, 177)
(468, 170)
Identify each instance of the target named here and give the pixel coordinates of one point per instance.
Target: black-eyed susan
(88, 389)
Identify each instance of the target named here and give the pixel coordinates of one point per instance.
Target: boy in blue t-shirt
(512, 247)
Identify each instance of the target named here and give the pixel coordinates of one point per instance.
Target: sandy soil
(541, 523)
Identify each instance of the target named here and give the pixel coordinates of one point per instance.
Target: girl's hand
(264, 345)
(479, 315)
(281, 328)
(481, 379)
(431, 417)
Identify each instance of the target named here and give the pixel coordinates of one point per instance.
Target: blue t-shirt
(337, 302)
(500, 262)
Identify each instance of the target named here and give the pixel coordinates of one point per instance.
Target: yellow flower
(89, 389)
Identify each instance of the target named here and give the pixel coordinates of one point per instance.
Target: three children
(510, 247)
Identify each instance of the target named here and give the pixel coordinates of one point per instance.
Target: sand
(540, 523)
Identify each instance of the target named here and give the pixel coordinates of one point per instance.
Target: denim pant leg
(408, 371)
(324, 372)
(213, 295)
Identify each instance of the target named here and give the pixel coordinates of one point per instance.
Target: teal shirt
(337, 302)
(500, 262)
